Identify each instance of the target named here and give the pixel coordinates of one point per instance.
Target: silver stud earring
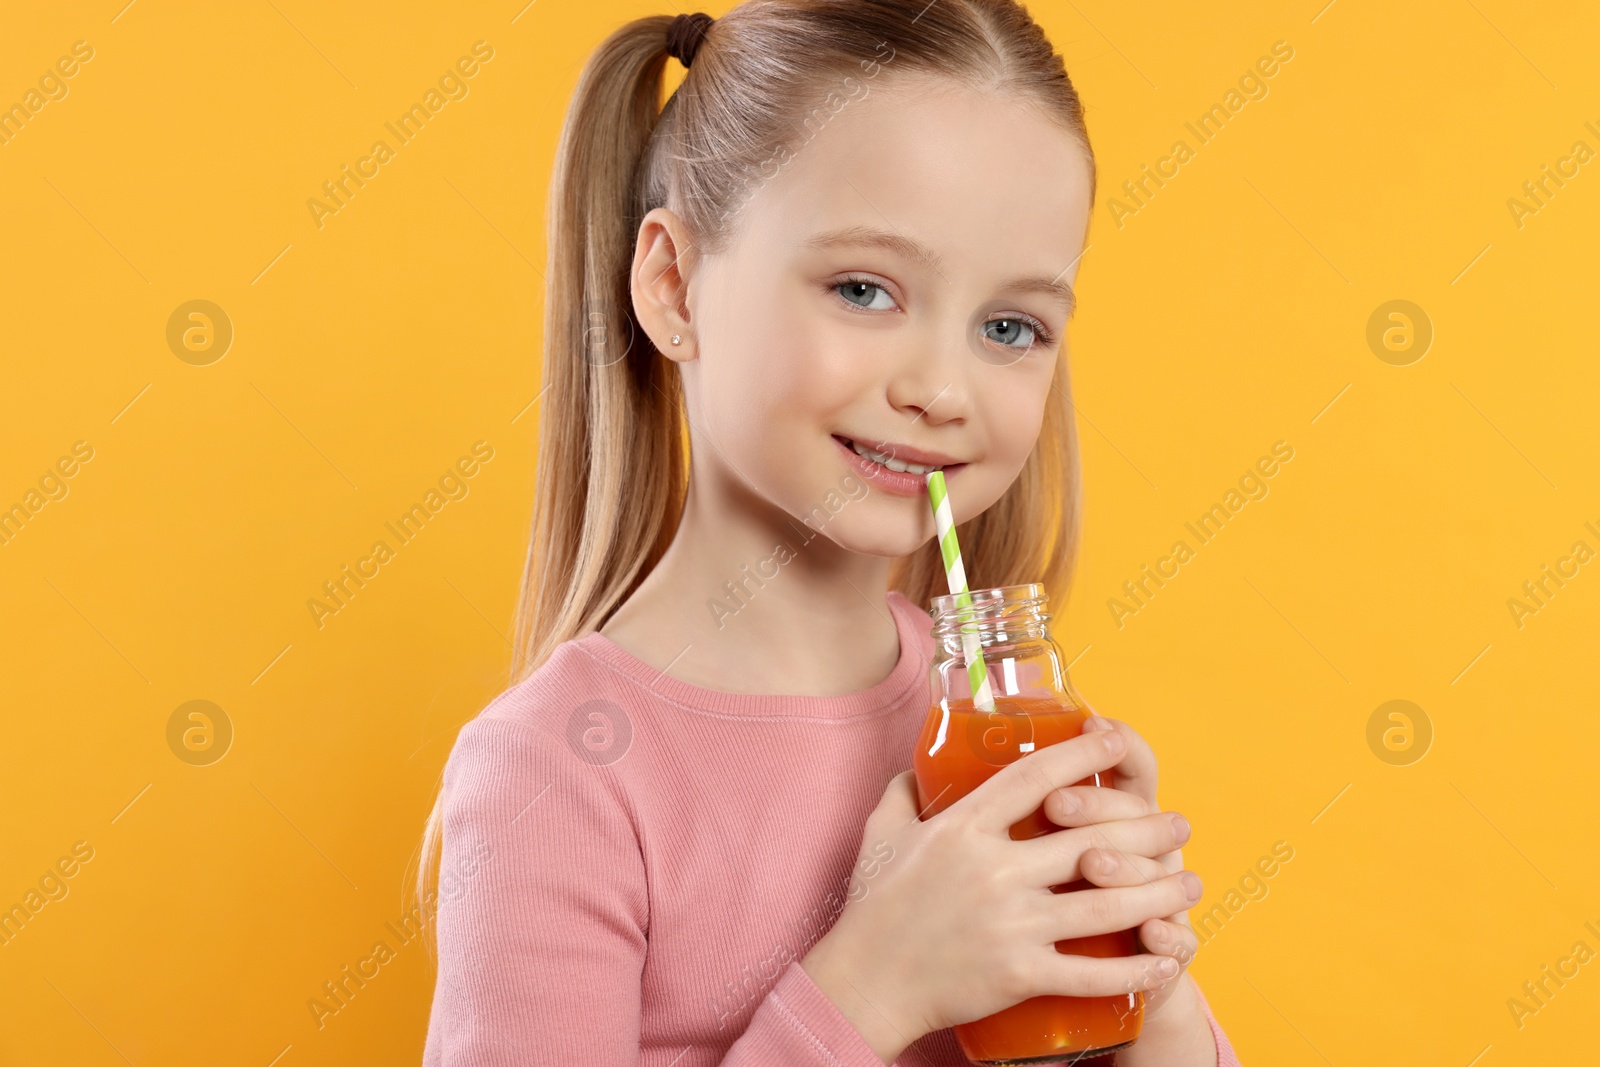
(676, 339)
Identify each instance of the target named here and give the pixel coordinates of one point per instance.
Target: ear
(662, 262)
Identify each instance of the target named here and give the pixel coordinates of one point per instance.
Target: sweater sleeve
(543, 919)
(1225, 1054)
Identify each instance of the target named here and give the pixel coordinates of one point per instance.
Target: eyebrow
(906, 248)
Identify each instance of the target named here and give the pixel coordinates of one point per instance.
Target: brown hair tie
(685, 34)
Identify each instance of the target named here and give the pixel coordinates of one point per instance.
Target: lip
(898, 483)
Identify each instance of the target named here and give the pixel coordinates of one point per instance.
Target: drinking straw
(945, 527)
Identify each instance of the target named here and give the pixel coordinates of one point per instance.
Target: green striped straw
(945, 527)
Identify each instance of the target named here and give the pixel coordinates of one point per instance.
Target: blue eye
(1014, 327)
(863, 294)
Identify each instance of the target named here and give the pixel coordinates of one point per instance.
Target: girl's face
(903, 283)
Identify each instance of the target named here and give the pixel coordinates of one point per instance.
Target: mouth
(889, 470)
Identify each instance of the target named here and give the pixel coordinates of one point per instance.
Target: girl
(843, 248)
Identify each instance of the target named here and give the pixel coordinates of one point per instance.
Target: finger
(1085, 912)
(1069, 975)
(1079, 805)
(1136, 773)
(1056, 857)
(1107, 867)
(1015, 791)
(1172, 861)
(1167, 938)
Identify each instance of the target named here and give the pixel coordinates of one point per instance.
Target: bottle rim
(948, 607)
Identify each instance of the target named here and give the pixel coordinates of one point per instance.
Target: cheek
(784, 367)
(1013, 401)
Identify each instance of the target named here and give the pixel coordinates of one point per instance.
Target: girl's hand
(956, 920)
(1134, 796)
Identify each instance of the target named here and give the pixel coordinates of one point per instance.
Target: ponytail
(612, 467)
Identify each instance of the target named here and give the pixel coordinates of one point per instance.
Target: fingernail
(1167, 968)
(1095, 722)
(1191, 884)
(1180, 828)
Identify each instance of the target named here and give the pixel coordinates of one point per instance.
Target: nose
(931, 384)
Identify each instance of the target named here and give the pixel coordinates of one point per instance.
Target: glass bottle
(961, 746)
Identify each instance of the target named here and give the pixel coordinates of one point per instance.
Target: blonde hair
(613, 463)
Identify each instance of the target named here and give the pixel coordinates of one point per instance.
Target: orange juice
(957, 751)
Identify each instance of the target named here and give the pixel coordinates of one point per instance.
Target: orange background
(1229, 312)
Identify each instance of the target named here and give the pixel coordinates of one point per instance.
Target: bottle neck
(1005, 615)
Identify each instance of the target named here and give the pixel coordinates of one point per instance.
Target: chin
(882, 535)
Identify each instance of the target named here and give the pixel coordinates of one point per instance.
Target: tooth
(892, 463)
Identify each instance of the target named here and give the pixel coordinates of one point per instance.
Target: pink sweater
(633, 866)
